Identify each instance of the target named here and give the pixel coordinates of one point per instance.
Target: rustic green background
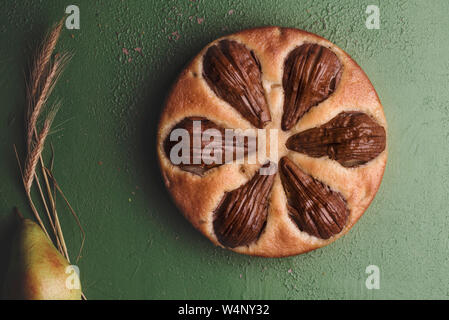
(138, 244)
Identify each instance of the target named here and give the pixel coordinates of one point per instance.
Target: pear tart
(312, 110)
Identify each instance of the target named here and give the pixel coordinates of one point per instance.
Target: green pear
(37, 270)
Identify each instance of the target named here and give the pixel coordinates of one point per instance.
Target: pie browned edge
(198, 196)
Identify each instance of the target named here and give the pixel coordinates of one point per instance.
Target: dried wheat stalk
(44, 74)
(42, 80)
(33, 157)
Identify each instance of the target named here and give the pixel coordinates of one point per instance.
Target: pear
(37, 270)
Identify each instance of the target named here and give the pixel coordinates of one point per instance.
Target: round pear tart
(272, 142)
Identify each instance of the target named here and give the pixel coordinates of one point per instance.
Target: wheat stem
(41, 193)
(50, 174)
(59, 233)
(30, 201)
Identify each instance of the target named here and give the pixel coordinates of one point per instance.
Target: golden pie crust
(198, 196)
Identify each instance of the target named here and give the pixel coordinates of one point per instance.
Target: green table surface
(138, 244)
